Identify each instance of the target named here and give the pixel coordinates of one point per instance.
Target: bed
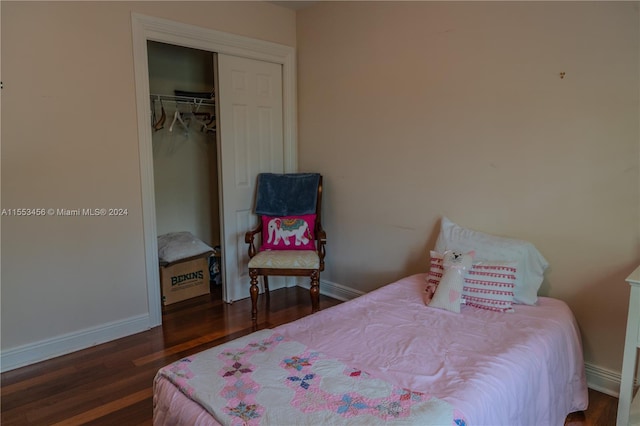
(385, 357)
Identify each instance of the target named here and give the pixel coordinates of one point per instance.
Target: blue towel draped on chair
(287, 194)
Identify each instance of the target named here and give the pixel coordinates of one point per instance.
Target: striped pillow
(487, 285)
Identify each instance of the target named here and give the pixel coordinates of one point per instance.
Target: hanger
(204, 127)
(211, 125)
(178, 117)
(163, 116)
(197, 120)
(194, 112)
(206, 120)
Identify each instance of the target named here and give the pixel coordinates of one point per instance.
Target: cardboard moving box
(184, 280)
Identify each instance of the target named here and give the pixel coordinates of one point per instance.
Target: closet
(182, 105)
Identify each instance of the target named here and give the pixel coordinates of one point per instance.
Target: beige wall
(69, 140)
(414, 110)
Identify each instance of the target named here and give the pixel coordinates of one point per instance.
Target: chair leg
(253, 274)
(315, 291)
(265, 279)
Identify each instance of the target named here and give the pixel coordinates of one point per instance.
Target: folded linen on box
(177, 246)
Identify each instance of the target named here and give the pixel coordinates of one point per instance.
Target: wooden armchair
(288, 262)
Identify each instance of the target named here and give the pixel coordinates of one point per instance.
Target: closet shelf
(185, 100)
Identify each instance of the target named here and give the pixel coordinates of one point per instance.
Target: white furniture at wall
(629, 407)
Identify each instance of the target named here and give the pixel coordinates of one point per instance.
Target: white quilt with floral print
(265, 378)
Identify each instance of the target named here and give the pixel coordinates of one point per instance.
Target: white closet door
(249, 93)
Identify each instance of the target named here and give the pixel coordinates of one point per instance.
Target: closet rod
(184, 100)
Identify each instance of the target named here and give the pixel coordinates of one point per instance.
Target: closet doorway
(241, 154)
(185, 159)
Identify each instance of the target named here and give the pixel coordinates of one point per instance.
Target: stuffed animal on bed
(448, 293)
(429, 291)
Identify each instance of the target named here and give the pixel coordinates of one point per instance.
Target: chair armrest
(249, 239)
(321, 240)
(321, 236)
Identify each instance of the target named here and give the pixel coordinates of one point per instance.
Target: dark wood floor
(111, 384)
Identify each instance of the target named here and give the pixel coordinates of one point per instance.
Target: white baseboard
(336, 291)
(31, 353)
(602, 379)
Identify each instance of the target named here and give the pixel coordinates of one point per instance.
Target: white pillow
(530, 264)
(449, 291)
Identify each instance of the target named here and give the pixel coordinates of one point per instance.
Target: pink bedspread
(520, 368)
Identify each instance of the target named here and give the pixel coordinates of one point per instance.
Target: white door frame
(146, 28)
